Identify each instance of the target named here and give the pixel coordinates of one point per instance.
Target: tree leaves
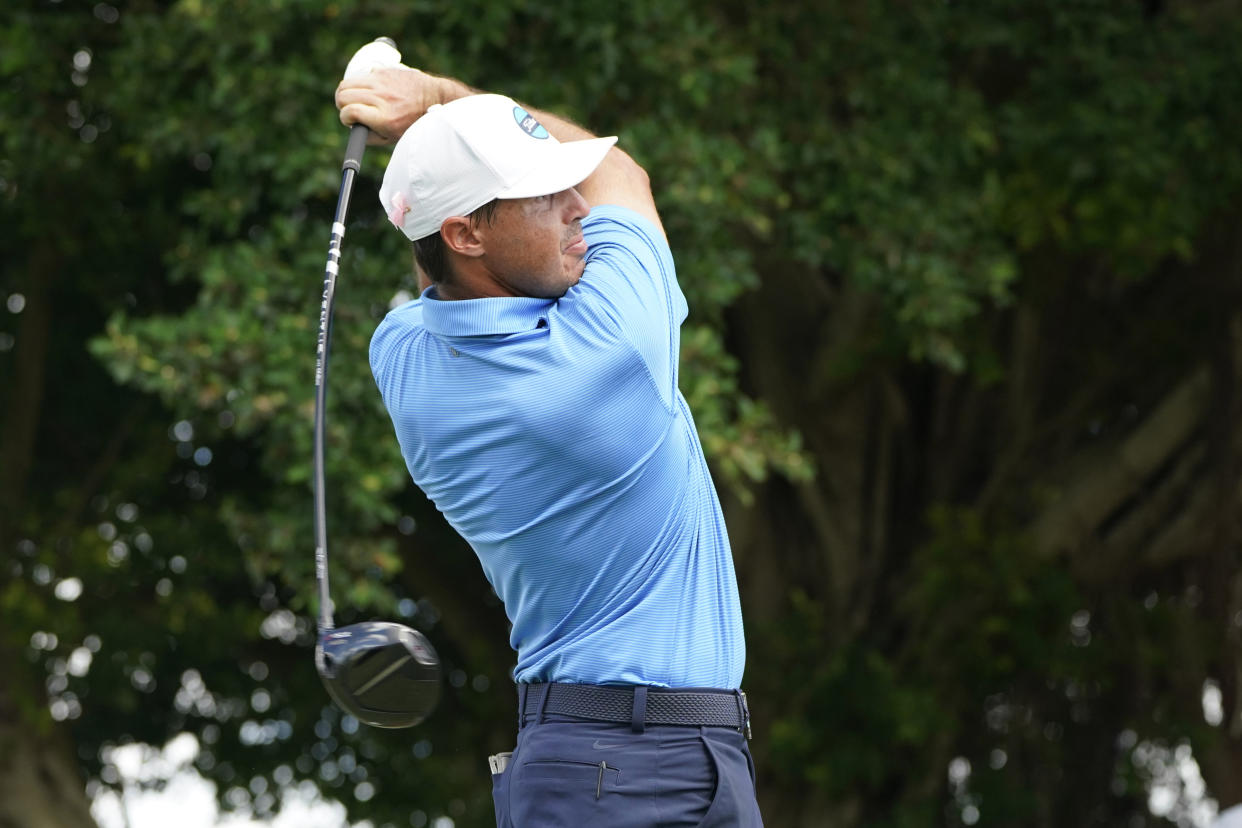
(904, 175)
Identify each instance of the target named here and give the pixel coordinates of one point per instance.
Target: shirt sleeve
(631, 285)
(390, 350)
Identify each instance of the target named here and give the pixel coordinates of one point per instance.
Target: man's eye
(542, 203)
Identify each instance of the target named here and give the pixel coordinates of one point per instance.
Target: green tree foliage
(963, 350)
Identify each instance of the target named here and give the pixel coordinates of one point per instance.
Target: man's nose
(576, 207)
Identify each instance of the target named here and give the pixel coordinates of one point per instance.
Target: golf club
(384, 674)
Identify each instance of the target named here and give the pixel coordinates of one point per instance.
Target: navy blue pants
(570, 772)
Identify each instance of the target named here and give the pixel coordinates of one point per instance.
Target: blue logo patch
(528, 123)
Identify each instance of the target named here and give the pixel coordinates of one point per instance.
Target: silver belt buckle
(499, 761)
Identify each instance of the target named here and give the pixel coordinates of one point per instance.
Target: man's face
(534, 246)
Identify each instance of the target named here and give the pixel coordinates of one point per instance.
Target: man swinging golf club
(533, 389)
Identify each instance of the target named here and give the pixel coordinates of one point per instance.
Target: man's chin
(575, 269)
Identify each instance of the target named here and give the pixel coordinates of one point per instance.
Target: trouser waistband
(638, 705)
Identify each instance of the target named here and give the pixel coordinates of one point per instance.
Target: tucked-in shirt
(552, 436)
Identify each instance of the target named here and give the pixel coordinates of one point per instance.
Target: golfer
(533, 389)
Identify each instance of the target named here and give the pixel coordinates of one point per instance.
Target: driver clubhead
(384, 674)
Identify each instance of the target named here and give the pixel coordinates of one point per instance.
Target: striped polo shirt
(552, 435)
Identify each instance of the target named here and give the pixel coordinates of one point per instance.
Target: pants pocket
(551, 792)
(686, 781)
(733, 805)
(572, 775)
(500, 764)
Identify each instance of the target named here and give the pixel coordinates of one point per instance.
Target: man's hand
(387, 101)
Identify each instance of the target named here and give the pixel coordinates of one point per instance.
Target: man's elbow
(626, 178)
(629, 169)
(621, 181)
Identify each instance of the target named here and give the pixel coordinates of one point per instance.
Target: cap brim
(569, 165)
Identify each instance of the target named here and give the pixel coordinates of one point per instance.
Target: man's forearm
(617, 180)
(562, 129)
(390, 100)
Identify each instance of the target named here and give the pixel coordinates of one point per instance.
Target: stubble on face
(574, 249)
(541, 254)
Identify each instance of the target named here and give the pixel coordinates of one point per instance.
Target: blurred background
(965, 351)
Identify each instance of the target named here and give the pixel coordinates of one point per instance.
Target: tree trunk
(21, 420)
(41, 784)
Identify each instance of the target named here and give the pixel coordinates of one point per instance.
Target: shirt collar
(482, 317)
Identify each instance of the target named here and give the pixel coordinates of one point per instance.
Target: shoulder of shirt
(407, 315)
(397, 326)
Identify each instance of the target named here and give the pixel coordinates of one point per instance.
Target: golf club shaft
(379, 53)
(353, 159)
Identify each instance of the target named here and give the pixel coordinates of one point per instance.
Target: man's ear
(461, 237)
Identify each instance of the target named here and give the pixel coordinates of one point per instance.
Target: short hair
(431, 253)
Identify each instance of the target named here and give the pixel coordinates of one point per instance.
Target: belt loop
(543, 702)
(638, 716)
(522, 688)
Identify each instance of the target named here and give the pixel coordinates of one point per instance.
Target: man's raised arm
(388, 101)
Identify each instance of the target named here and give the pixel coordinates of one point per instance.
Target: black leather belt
(636, 705)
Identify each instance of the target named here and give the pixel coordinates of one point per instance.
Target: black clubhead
(384, 674)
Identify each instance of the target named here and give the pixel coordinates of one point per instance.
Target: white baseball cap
(461, 155)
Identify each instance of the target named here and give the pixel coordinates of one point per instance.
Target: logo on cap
(528, 123)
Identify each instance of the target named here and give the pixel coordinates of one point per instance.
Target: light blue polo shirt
(553, 437)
